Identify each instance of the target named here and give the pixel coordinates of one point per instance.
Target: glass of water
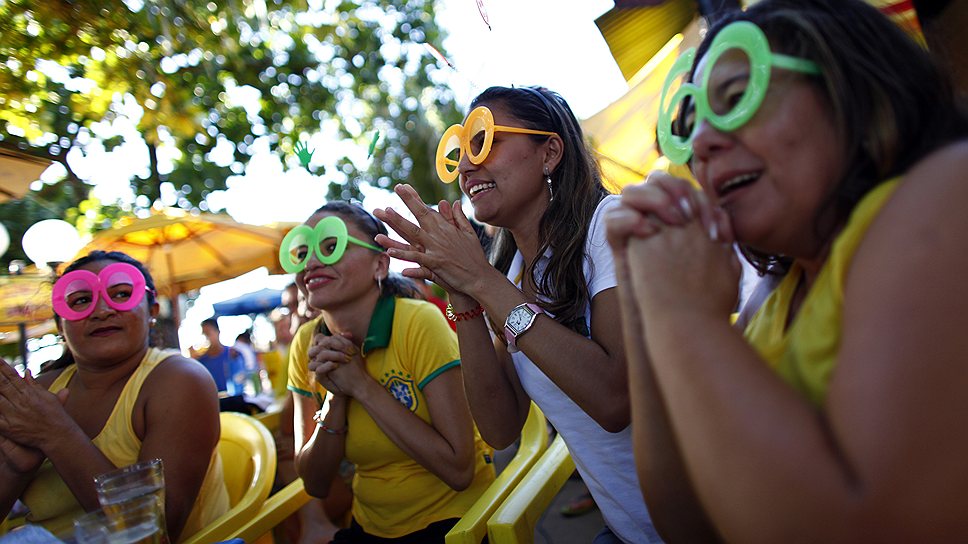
(134, 521)
(142, 479)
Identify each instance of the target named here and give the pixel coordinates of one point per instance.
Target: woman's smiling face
(775, 173)
(510, 181)
(329, 286)
(107, 334)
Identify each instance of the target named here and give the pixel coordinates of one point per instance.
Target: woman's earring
(547, 175)
(379, 284)
(152, 322)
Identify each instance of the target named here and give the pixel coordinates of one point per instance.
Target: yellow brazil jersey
(805, 354)
(408, 344)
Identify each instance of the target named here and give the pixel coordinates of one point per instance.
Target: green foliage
(68, 69)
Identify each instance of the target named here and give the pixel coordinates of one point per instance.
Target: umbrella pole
(175, 309)
(22, 342)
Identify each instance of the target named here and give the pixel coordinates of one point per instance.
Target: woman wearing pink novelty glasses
(833, 150)
(115, 402)
(548, 289)
(376, 378)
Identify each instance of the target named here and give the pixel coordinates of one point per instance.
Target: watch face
(519, 318)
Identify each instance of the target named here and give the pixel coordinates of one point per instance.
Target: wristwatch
(519, 320)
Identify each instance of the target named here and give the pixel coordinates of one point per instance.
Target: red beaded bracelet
(463, 316)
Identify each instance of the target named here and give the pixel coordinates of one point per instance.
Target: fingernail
(685, 207)
(713, 232)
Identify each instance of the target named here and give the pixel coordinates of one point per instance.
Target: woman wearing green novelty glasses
(115, 401)
(549, 295)
(376, 379)
(833, 151)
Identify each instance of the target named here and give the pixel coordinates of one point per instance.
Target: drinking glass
(142, 479)
(134, 521)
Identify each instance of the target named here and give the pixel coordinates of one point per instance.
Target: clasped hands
(674, 246)
(27, 411)
(338, 365)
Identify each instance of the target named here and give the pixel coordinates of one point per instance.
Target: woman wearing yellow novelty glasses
(474, 139)
(376, 378)
(831, 148)
(549, 296)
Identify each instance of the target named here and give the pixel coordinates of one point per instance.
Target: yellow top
(276, 361)
(393, 495)
(53, 505)
(805, 354)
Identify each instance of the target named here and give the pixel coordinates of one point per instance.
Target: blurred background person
(226, 365)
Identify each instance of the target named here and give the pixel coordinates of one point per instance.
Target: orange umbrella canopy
(25, 299)
(17, 171)
(186, 251)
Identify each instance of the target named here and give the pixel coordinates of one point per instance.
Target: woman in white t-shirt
(548, 290)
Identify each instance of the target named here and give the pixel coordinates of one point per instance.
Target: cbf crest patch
(402, 388)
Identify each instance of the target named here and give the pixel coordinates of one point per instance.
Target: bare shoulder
(927, 210)
(935, 179)
(46, 379)
(178, 373)
(907, 274)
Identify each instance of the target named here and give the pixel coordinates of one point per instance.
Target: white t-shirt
(603, 459)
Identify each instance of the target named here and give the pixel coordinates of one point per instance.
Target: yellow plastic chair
(271, 418)
(534, 439)
(249, 463)
(276, 508)
(515, 520)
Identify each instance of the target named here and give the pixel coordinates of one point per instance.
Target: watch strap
(510, 335)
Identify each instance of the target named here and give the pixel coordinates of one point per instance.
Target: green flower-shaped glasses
(743, 36)
(328, 239)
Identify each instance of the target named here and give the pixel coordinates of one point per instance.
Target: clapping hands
(27, 414)
(443, 244)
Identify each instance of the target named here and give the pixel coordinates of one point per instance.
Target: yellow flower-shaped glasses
(473, 138)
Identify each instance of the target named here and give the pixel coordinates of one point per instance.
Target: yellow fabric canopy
(186, 251)
(17, 171)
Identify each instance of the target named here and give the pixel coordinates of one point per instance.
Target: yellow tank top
(54, 506)
(805, 354)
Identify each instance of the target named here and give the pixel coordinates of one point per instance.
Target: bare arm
(497, 400)
(18, 465)
(318, 453)
(567, 358)
(444, 446)
(181, 427)
(666, 487)
(881, 459)
(35, 425)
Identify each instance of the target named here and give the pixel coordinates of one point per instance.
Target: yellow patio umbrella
(17, 171)
(623, 134)
(186, 251)
(24, 299)
(25, 308)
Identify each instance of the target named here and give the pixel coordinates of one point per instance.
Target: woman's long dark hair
(892, 104)
(67, 358)
(563, 229)
(394, 285)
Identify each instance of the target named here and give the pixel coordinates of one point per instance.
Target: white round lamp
(4, 239)
(51, 241)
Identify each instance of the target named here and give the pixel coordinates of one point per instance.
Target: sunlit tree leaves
(209, 82)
